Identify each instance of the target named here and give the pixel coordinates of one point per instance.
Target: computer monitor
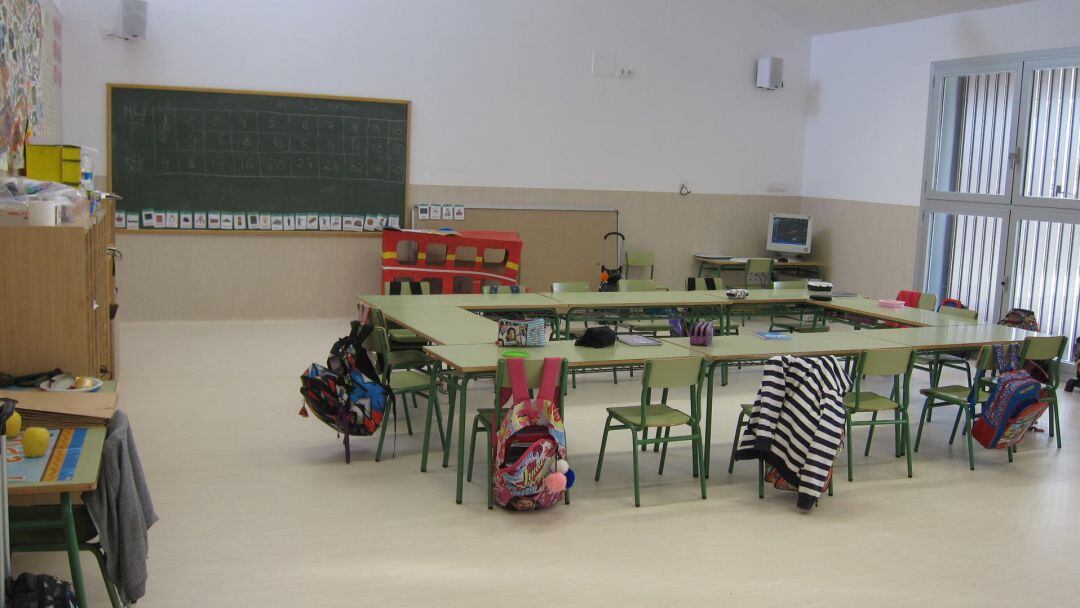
(789, 233)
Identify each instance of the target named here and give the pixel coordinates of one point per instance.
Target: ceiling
(826, 16)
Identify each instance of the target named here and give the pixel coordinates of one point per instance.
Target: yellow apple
(14, 425)
(35, 442)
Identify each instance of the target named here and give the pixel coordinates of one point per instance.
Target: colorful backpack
(346, 394)
(1015, 403)
(531, 471)
(1020, 318)
(699, 332)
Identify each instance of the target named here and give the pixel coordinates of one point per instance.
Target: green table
(469, 361)
(470, 301)
(444, 325)
(620, 306)
(907, 315)
(84, 479)
(733, 349)
(483, 303)
(953, 337)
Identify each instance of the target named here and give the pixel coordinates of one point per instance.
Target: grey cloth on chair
(122, 510)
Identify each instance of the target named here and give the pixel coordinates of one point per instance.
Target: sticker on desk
(65, 447)
(772, 335)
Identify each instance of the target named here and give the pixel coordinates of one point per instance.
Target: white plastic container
(44, 213)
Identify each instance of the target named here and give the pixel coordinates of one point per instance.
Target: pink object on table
(891, 304)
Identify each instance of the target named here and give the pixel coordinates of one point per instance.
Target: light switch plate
(603, 64)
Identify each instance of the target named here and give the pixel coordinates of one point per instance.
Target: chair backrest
(376, 317)
(928, 301)
(673, 373)
(885, 362)
(409, 287)
(800, 284)
(640, 258)
(570, 287)
(704, 284)
(534, 371)
(637, 285)
(1041, 348)
(379, 342)
(758, 270)
(963, 313)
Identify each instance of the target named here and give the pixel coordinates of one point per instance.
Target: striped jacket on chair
(797, 424)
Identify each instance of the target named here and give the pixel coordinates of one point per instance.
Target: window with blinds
(974, 134)
(1052, 166)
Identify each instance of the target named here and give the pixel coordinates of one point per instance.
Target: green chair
(570, 287)
(486, 417)
(965, 397)
(650, 326)
(638, 419)
(637, 285)
(403, 337)
(1050, 350)
(895, 362)
(796, 318)
(721, 327)
(402, 357)
(758, 273)
(744, 413)
(640, 259)
(32, 540)
(934, 363)
(406, 382)
(928, 301)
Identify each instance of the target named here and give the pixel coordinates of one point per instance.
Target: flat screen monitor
(789, 233)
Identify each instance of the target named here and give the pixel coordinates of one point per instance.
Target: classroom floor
(258, 507)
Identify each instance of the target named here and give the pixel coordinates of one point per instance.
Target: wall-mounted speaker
(770, 73)
(133, 19)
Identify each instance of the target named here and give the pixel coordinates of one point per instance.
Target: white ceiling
(825, 16)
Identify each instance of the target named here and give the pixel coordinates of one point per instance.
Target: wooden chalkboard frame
(108, 154)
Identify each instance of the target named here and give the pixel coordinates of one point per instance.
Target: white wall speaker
(133, 19)
(770, 73)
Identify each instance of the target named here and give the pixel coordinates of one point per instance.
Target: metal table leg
(72, 542)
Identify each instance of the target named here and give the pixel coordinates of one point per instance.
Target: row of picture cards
(440, 211)
(224, 220)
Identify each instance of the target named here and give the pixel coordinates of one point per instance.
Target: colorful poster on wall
(29, 98)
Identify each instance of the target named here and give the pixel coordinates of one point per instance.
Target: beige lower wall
(223, 276)
(866, 247)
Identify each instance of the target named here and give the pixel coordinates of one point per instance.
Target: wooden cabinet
(56, 287)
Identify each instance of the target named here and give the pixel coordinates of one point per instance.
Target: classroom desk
(907, 315)
(84, 479)
(491, 303)
(620, 306)
(444, 325)
(733, 349)
(808, 269)
(469, 301)
(468, 361)
(953, 337)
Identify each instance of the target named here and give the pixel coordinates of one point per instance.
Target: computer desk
(806, 268)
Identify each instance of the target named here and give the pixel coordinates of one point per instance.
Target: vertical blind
(969, 252)
(1052, 169)
(974, 134)
(1045, 274)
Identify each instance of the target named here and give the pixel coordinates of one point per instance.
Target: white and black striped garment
(797, 424)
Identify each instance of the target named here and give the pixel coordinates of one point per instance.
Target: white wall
(502, 90)
(866, 121)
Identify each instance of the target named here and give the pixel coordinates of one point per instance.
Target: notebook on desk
(63, 410)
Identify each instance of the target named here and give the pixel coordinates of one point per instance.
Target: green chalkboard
(240, 152)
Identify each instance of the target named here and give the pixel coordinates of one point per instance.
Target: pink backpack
(531, 471)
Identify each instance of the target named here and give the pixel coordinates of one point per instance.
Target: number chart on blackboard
(197, 159)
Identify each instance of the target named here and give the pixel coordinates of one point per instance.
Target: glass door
(965, 249)
(1045, 268)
